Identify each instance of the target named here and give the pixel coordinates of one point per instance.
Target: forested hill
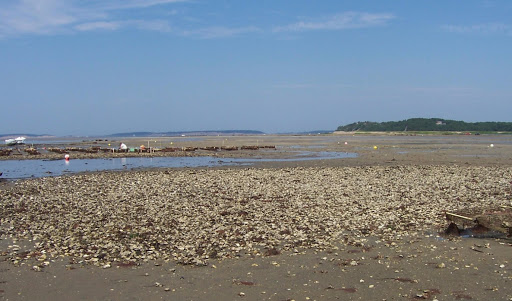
(427, 124)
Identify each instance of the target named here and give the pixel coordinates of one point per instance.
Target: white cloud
(489, 28)
(155, 25)
(127, 4)
(220, 32)
(347, 20)
(57, 16)
(101, 25)
(31, 16)
(18, 17)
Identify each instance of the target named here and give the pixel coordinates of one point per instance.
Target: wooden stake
(448, 214)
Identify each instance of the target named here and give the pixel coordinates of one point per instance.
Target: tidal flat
(361, 228)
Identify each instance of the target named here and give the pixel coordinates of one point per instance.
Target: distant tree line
(427, 124)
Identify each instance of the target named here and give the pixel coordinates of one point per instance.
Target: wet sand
(410, 264)
(391, 149)
(419, 268)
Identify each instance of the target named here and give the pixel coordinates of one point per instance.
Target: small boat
(19, 140)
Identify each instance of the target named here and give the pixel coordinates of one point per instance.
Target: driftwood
(229, 148)
(32, 151)
(72, 149)
(451, 216)
(57, 150)
(5, 152)
(250, 147)
(82, 150)
(189, 149)
(89, 150)
(169, 149)
(210, 148)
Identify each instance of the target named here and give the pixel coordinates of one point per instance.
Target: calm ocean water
(18, 169)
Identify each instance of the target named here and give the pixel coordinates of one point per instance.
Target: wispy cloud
(154, 25)
(347, 20)
(19, 17)
(127, 4)
(58, 16)
(40, 17)
(101, 25)
(488, 28)
(220, 32)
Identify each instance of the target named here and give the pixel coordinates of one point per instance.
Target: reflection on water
(17, 169)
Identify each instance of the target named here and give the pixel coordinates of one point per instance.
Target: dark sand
(420, 267)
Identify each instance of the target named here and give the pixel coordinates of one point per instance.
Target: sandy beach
(362, 228)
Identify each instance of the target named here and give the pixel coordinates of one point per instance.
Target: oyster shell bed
(191, 216)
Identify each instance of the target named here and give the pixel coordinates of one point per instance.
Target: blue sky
(73, 67)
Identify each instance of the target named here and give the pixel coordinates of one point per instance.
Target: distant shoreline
(393, 149)
(200, 134)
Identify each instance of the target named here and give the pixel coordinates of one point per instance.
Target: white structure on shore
(19, 140)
